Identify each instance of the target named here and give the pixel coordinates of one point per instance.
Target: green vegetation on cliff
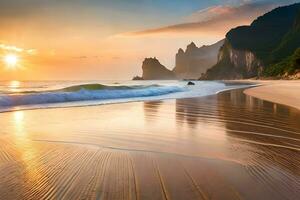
(288, 44)
(285, 59)
(268, 47)
(270, 37)
(288, 66)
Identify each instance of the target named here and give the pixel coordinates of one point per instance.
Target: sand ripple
(228, 146)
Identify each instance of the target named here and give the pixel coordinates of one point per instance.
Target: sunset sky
(108, 39)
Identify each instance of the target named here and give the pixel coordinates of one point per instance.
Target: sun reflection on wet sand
(18, 119)
(26, 148)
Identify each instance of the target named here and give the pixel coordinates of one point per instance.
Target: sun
(11, 60)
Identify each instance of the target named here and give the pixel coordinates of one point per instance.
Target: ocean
(23, 95)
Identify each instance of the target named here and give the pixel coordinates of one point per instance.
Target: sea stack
(154, 70)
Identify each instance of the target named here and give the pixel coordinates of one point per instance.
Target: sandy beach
(282, 92)
(225, 146)
(150, 100)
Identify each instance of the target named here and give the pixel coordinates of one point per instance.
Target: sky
(109, 39)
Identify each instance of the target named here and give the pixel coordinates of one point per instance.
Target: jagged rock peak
(151, 61)
(192, 46)
(180, 51)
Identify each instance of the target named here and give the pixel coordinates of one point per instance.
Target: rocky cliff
(194, 61)
(255, 50)
(153, 70)
(234, 64)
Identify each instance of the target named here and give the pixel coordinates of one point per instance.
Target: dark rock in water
(153, 70)
(137, 78)
(191, 83)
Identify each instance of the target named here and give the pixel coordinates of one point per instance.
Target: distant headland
(269, 48)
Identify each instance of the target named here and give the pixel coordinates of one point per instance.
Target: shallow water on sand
(225, 146)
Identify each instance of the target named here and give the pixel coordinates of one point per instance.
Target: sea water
(20, 95)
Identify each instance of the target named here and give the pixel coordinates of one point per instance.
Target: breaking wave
(86, 92)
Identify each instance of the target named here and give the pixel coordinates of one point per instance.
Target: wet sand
(225, 146)
(283, 92)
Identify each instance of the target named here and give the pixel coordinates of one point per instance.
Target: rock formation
(137, 78)
(190, 64)
(153, 70)
(190, 83)
(194, 61)
(234, 64)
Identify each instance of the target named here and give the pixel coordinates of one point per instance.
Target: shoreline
(91, 103)
(277, 91)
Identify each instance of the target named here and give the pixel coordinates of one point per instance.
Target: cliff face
(243, 60)
(249, 51)
(153, 70)
(234, 64)
(194, 61)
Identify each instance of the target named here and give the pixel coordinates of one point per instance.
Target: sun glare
(14, 84)
(11, 60)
